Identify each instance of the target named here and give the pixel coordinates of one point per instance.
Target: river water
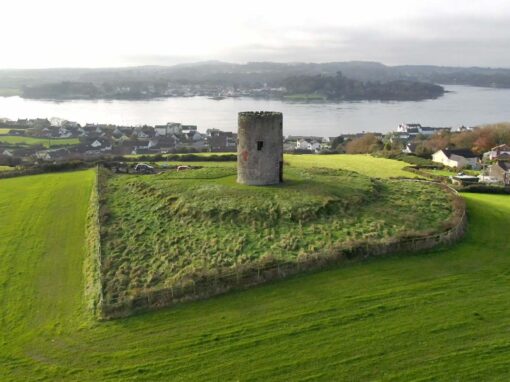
(463, 105)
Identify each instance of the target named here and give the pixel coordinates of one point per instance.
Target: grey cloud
(468, 41)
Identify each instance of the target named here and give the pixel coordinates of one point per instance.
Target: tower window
(260, 144)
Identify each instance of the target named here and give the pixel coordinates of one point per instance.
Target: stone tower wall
(260, 148)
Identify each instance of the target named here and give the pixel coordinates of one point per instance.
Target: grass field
(438, 316)
(6, 168)
(444, 173)
(364, 164)
(231, 165)
(178, 227)
(4, 131)
(39, 141)
(447, 173)
(206, 154)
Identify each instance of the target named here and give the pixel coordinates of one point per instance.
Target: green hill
(437, 316)
(198, 231)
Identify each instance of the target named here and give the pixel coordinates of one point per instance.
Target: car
(143, 168)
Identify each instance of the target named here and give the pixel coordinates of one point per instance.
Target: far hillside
(367, 80)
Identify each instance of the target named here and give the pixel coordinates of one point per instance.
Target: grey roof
(504, 165)
(460, 152)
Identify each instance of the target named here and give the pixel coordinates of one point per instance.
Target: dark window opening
(260, 144)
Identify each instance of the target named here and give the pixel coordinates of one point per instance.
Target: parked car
(143, 168)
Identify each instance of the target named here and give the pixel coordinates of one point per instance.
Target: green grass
(39, 141)
(4, 130)
(444, 173)
(207, 154)
(364, 164)
(447, 173)
(232, 165)
(170, 229)
(6, 168)
(440, 316)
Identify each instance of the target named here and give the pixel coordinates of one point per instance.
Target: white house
(161, 130)
(314, 146)
(410, 148)
(101, 145)
(498, 152)
(168, 129)
(456, 158)
(303, 144)
(64, 133)
(409, 128)
(96, 144)
(414, 129)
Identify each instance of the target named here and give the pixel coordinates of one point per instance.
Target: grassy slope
(6, 168)
(169, 227)
(364, 164)
(440, 316)
(38, 141)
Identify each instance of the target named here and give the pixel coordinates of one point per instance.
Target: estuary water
(462, 105)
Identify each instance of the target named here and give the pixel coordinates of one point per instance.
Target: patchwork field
(176, 228)
(437, 316)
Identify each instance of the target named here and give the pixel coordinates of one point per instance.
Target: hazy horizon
(110, 34)
(190, 63)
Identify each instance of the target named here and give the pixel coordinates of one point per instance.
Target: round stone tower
(260, 148)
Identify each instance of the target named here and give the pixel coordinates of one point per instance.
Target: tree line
(479, 140)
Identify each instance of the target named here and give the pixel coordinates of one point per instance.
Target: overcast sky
(101, 33)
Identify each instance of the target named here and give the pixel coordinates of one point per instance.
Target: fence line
(218, 281)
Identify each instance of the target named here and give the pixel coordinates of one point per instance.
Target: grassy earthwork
(436, 316)
(170, 229)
